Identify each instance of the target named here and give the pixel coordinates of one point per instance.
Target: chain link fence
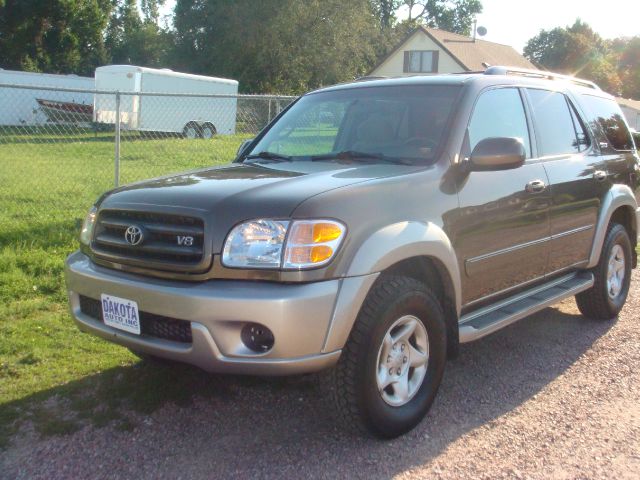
(61, 148)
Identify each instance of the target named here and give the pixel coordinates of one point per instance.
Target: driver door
(502, 226)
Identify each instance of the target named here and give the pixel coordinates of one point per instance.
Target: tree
(284, 46)
(452, 15)
(626, 54)
(385, 11)
(576, 50)
(135, 39)
(58, 36)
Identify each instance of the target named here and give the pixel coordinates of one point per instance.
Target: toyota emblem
(133, 235)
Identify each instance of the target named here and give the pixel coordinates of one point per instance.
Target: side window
(608, 115)
(581, 131)
(499, 113)
(554, 124)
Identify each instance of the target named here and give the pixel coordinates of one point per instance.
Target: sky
(513, 22)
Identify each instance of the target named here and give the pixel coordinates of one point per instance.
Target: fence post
(117, 152)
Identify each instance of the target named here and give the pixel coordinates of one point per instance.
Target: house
(631, 110)
(430, 51)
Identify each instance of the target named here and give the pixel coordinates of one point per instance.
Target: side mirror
(243, 146)
(498, 153)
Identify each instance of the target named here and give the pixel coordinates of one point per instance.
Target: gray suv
(367, 231)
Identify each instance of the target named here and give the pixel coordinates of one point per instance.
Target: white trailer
(19, 106)
(191, 116)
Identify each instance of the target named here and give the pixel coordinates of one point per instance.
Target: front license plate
(120, 313)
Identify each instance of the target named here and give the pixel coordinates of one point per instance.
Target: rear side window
(554, 123)
(606, 113)
(499, 113)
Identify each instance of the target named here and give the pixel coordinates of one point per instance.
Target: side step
(489, 319)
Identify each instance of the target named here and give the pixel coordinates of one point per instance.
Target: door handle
(535, 186)
(600, 175)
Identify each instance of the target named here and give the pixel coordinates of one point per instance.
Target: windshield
(390, 122)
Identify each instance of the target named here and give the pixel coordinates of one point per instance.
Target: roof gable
(468, 53)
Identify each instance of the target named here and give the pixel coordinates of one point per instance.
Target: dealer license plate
(120, 313)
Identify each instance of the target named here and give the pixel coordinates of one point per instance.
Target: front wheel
(391, 367)
(612, 275)
(191, 130)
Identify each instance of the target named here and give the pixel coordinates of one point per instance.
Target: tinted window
(581, 130)
(397, 121)
(499, 113)
(554, 124)
(608, 115)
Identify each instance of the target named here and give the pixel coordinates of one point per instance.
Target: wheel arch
(433, 273)
(621, 207)
(414, 249)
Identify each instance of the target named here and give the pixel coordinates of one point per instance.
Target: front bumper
(299, 315)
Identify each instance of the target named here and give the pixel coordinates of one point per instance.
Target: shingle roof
(473, 54)
(468, 53)
(627, 102)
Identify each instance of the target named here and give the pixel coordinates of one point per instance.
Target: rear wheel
(191, 130)
(390, 370)
(612, 275)
(208, 130)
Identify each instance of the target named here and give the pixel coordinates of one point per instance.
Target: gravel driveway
(554, 395)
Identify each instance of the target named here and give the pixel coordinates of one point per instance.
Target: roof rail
(367, 78)
(525, 72)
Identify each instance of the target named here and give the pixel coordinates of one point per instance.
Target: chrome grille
(172, 242)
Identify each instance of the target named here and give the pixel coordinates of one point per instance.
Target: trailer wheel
(191, 130)
(208, 130)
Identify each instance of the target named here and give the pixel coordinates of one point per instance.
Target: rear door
(577, 175)
(502, 225)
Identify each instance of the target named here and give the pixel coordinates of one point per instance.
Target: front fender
(618, 196)
(381, 250)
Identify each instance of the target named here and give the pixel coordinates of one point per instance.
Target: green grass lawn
(50, 373)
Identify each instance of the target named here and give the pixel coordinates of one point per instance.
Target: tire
(208, 131)
(354, 383)
(191, 130)
(606, 298)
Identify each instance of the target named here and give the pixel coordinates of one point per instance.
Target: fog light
(257, 337)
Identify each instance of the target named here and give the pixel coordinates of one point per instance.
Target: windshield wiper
(269, 156)
(356, 155)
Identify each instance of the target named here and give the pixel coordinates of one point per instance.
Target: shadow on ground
(188, 423)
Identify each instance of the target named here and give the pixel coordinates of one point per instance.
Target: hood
(225, 196)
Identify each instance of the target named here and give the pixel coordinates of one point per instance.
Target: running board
(489, 319)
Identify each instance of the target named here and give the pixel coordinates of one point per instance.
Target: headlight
(255, 244)
(87, 226)
(261, 244)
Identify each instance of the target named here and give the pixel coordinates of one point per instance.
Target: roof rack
(367, 78)
(539, 74)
